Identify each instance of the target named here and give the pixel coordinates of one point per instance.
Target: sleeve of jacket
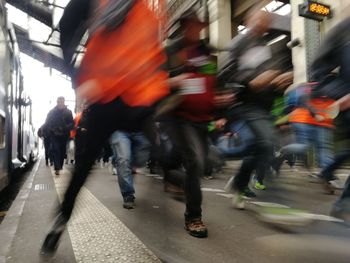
(69, 120)
(230, 65)
(73, 25)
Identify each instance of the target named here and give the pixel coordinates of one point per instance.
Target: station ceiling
(35, 23)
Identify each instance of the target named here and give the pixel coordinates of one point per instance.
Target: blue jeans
(319, 137)
(58, 148)
(130, 149)
(227, 146)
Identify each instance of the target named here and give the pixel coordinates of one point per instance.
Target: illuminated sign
(315, 10)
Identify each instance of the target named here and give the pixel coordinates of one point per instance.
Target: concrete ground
(101, 230)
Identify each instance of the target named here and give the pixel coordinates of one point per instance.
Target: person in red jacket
(188, 125)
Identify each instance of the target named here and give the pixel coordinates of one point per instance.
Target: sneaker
(208, 177)
(196, 228)
(129, 202)
(51, 241)
(336, 184)
(259, 186)
(248, 193)
(284, 216)
(238, 200)
(340, 212)
(293, 168)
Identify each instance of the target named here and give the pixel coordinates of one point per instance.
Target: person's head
(60, 102)
(191, 26)
(258, 21)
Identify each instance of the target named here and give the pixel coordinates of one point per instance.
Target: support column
(220, 23)
(298, 53)
(310, 33)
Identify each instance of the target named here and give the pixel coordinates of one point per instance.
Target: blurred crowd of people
(174, 107)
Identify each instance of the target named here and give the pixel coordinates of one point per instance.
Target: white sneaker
(238, 201)
(336, 184)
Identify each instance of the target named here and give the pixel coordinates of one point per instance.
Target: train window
(2, 132)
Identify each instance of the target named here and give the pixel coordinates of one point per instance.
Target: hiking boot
(196, 228)
(248, 193)
(238, 200)
(259, 186)
(129, 202)
(51, 241)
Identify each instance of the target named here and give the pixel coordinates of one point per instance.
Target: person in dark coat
(58, 123)
(44, 135)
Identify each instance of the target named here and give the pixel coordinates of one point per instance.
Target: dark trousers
(261, 155)
(340, 158)
(191, 139)
(58, 147)
(47, 147)
(101, 121)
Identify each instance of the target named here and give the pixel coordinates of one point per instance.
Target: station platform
(101, 230)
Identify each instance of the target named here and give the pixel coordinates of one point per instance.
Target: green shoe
(259, 186)
(238, 200)
(284, 216)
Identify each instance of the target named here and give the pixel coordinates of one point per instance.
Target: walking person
(58, 123)
(44, 135)
(130, 151)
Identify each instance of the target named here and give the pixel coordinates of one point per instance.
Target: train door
(14, 104)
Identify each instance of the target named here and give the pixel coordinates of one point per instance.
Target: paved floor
(102, 231)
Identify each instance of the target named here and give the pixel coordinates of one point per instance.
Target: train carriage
(18, 141)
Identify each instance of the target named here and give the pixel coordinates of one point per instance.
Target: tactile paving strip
(97, 235)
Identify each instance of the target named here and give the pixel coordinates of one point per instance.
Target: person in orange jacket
(120, 77)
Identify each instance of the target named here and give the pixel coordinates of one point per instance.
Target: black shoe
(57, 172)
(129, 202)
(152, 170)
(151, 165)
(248, 193)
(51, 241)
(196, 228)
(47, 162)
(341, 211)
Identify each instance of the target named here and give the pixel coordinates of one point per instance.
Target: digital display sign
(314, 10)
